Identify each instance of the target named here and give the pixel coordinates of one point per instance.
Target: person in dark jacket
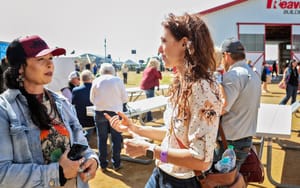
(81, 99)
(290, 77)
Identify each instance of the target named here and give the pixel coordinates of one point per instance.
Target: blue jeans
(89, 132)
(149, 94)
(291, 91)
(160, 179)
(241, 148)
(103, 129)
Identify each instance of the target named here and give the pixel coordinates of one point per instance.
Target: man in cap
(240, 84)
(74, 80)
(81, 99)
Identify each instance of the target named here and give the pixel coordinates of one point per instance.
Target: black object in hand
(76, 151)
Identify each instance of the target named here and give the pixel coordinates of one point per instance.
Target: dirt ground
(132, 174)
(285, 162)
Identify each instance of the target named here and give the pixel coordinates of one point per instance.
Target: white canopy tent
(63, 67)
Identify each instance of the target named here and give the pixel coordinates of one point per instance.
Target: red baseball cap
(34, 46)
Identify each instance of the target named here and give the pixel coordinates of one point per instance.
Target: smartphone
(76, 151)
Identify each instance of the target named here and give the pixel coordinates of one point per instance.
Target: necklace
(51, 107)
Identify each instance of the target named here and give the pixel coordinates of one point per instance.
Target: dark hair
(16, 58)
(237, 56)
(71, 86)
(38, 111)
(292, 61)
(3, 60)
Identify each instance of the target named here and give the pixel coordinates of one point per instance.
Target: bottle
(228, 160)
(223, 165)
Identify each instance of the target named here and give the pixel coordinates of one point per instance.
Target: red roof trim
(267, 23)
(208, 11)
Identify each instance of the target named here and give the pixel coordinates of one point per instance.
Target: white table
(162, 89)
(138, 108)
(274, 121)
(135, 92)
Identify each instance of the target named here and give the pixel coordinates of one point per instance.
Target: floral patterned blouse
(200, 135)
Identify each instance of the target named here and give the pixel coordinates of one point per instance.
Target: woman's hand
(122, 125)
(70, 168)
(135, 147)
(88, 169)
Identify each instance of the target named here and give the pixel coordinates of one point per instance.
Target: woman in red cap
(37, 125)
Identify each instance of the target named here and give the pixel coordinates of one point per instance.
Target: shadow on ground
(291, 162)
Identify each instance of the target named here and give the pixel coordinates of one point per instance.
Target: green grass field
(134, 79)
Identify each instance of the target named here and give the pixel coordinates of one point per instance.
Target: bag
(252, 169)
(232, 179)
(214, 178)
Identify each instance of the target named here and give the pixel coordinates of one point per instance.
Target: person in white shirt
(108, 93)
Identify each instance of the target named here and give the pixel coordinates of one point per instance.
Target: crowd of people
(39, 126)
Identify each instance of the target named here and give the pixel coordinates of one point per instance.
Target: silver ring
(88, 175)
(80, 170)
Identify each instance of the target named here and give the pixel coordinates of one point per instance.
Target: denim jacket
(21, 157)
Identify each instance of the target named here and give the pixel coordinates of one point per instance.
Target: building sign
(3, 47)
(288, 7)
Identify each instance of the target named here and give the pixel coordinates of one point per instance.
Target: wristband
(164, 156)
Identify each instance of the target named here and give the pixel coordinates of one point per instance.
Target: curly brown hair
(199, 58)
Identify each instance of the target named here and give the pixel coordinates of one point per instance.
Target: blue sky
(83, 25)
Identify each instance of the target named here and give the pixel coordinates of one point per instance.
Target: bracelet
(164, 156)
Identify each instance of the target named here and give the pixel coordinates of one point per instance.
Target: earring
(190, 48)
(20, 80)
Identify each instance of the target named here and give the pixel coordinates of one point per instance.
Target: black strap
(222, 134)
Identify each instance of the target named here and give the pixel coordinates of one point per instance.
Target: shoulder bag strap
(221, 133)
